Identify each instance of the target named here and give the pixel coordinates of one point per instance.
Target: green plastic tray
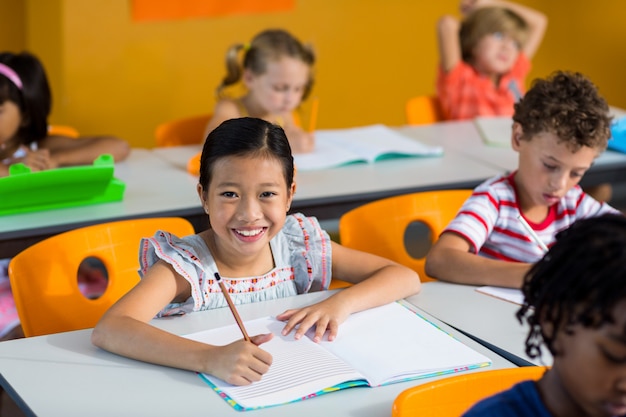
(25, 191)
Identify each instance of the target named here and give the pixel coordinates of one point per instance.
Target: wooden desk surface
(64, 375)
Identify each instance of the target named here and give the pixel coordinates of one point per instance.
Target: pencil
(532, 233)
(232, 307)
(313, 119)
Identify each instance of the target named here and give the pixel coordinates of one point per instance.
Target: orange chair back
(186, 131)
(451, 397)
(44, 276)
(423, 110)
(379, 227)
(60, 130)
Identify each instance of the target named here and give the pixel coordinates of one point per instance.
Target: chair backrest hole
(93, 277)
(417, 239)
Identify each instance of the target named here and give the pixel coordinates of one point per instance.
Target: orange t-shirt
(465, 94)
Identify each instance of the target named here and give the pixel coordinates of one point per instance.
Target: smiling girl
(246, 188)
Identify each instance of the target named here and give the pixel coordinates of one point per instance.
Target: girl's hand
(38, 160)
(326, 315)
(299, 140)
(241, 362)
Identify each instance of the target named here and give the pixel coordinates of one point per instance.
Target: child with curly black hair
(575, 304)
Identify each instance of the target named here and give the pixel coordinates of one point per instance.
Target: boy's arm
(450, 260)
(449, 44)
(536, 21)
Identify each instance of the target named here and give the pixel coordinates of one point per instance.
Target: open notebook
(375, 347)
(367, 144)
(495, 130)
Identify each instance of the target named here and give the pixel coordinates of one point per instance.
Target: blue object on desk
(618, 135)
(24, 190)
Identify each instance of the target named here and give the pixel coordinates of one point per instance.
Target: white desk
(64, 375)
(487, 318)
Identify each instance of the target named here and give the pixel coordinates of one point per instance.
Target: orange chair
(379, 227)
(44, 276)
(60, 130)
(451, 397)
(186, 131)
(422, 110)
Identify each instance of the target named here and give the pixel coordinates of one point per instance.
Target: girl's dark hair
(245, 136)
(34, 99)
(579, 281)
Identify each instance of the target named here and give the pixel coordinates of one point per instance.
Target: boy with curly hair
(559, 128)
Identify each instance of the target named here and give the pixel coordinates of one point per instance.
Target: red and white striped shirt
(488, 220)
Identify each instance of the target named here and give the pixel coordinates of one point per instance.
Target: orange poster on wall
(143, 10)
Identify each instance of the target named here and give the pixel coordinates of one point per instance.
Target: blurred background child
(25, 105)
(484, 59)
(277, 72)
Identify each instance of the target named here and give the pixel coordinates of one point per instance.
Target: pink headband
(11, 75)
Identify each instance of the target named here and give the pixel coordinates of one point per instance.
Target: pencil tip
(217, 276)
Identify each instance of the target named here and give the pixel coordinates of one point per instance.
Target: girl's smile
(247, 200)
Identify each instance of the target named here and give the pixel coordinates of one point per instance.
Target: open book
(495, 130)
(375, 347)
(360, 145)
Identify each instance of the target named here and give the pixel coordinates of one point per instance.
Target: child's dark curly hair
(579, 281)
(567, 105)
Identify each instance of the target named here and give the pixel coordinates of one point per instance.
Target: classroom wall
(110, 74)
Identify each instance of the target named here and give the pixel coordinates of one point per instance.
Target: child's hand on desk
(299, 140)
(326, 315)
(241, 362)
(38, 160)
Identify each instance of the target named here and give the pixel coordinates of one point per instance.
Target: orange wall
(112, 75)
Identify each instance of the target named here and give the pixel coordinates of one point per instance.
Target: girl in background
(25, 104)
(277, 71)
(484, 59)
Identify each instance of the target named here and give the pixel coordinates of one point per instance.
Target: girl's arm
(449, 43)
(536, 21)
(377, 280)
(225, 109)
(124, 330)
(66, 151)
(450, 259)
(38, 160)
(300, 140)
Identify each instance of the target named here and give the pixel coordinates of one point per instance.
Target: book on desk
(375, 347)
(368, 144)
(495, 130)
